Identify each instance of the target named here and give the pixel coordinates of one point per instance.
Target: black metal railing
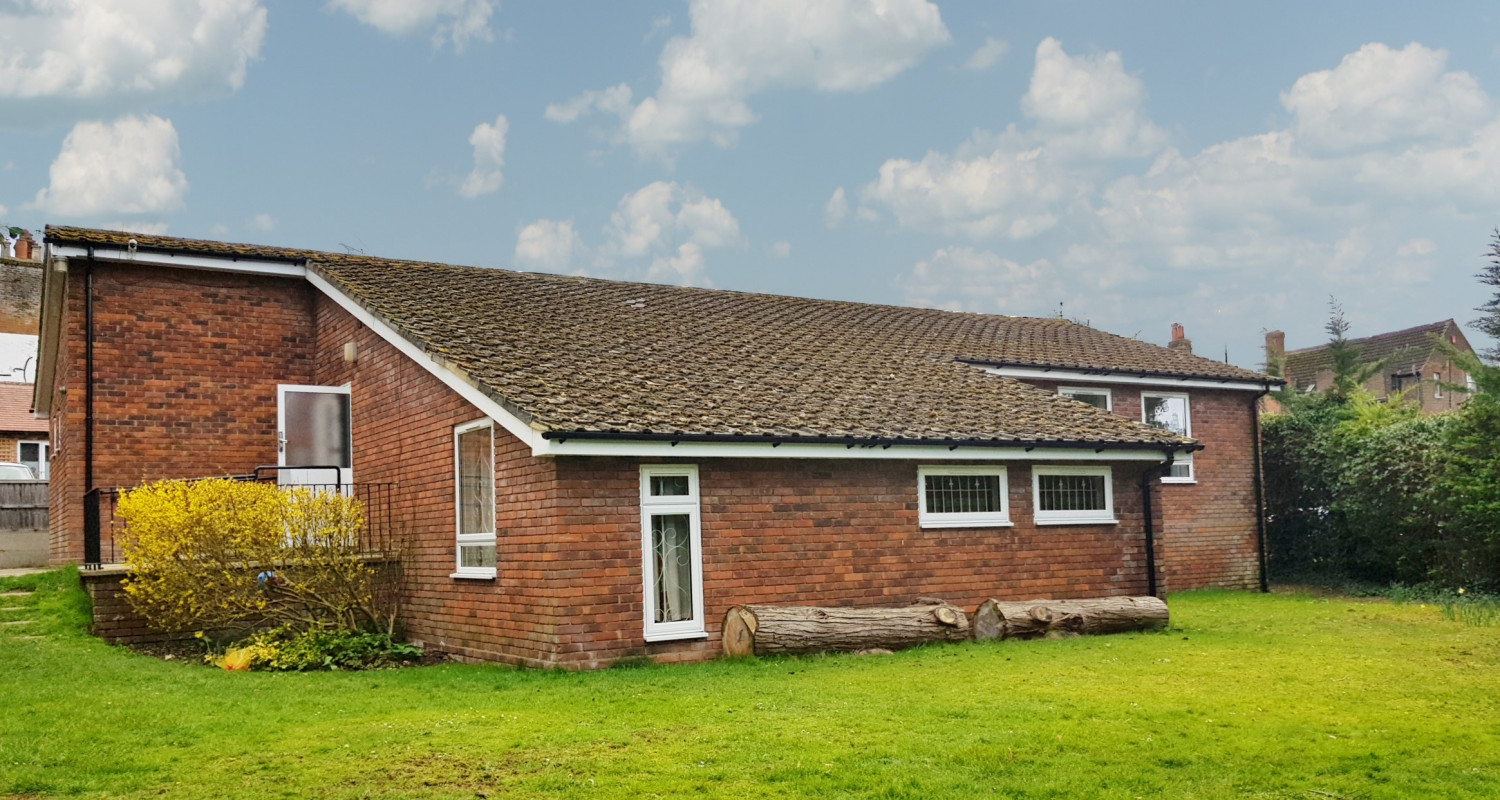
(102, 525)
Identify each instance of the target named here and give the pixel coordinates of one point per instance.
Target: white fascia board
(254, 266)
(598, 447)
(468, 391)
(1071, 375)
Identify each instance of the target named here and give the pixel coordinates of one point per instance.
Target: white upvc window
(962, 497)
(1093, 395)
(1437, 386)
(671, 552)
(35, 455)
(1073, 495)
(474, 497)
(1171, 412)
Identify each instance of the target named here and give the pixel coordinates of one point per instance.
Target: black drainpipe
(1146, 476)
(1260, 503)
(88, 386)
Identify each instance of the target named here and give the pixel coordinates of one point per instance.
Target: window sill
(671, 637)
(1098, 521)
(965, 523)
(473, 576)
(1179, 481)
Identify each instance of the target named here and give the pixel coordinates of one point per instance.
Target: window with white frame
(671, 552)
(34, 455)
(1098, 398)
(1170, 412)
(1437, 386)
(1073, 495)
(474, 493)
(962, 497)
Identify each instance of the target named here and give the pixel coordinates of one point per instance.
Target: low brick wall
(114, 620)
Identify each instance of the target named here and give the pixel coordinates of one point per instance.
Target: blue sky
(1225, 168)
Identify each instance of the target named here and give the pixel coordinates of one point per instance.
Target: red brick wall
(186, 365)
(820, 532)
(1208, 536)
(403, 420)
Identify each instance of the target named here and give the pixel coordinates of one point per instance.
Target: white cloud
(685, 267)
(263, 222)
(836, 209)
(988, 54)
(614, 100)
(1378, 96)
(548, 245)
(129, 166)
(1012, 190)
(1088, 105)
(68, 58)
(1018, 183)
(740, 49)
(1417, 247)
(488, 140)
(673, 225)
(965, 279)
(781, 249)
(153, 228)
(456, 21)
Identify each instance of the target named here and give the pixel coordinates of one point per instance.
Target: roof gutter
(776, 440)
(1100, 375)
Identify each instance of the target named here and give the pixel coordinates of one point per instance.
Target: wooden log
(1034, 618)
(767, 630)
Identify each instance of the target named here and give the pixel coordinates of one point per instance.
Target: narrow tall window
(671, 552)
(962, 497)
(1170, 412)
(474, 490)
(1437, 386)
(1073, 495)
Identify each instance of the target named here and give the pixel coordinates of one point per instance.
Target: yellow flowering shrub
(224, 555)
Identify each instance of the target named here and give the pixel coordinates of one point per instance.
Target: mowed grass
(1246, 696)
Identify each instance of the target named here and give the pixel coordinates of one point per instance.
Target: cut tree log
(767, 630)
(1033, 618)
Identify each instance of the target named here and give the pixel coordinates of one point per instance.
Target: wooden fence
(23, 505)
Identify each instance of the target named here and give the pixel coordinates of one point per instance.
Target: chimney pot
(1179, 339)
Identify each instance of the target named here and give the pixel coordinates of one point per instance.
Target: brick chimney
(1275, 353)
(1179, 339)
(24, 246)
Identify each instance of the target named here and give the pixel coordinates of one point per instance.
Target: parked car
(13, 471)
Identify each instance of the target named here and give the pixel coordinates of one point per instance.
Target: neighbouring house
(1414, 364)
(24, 437)
(589, 470)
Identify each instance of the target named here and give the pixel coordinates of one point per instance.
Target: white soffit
(1080, 376)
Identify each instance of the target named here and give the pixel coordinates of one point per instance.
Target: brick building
(1414, 364)
(592, 469)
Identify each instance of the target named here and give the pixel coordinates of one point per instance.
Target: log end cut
(739, 632)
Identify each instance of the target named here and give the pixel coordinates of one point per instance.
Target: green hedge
(1362, 490)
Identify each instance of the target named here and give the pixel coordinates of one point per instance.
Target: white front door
(315, 442)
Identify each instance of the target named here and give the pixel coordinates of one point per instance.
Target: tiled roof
(15, 410)
(1406, 349)
(576, 355)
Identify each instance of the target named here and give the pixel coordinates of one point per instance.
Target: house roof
(1407, 349)
(15, 410)
(577, 356)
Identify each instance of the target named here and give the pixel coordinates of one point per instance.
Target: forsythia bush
(226, 555)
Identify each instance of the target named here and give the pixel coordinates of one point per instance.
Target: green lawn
(1246, 696)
